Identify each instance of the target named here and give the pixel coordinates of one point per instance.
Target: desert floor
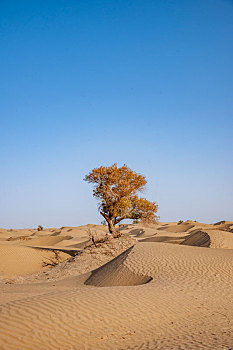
(161, 286)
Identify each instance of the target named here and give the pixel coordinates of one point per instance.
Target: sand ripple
(187, 305)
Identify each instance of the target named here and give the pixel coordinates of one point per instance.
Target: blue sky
(90, 83)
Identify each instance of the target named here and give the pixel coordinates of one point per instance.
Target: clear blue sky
(90, 83)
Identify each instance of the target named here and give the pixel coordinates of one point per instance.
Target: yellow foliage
(117, 190)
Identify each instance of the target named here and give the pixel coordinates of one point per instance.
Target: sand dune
(139, 231)
(151, 295)
(47, 240)
(198, 238)
(183, 227)
(224, 225)
(24, 260)
(210, 238)
(185, 306)
(116, 273)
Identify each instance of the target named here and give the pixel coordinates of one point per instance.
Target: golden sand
(165, 286)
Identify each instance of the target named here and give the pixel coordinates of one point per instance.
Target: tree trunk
(111, 225)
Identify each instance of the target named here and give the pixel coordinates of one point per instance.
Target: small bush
(40, 228)
(180, 222)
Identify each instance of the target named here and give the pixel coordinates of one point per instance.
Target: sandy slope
(210, 238)
(19, 253)
(24, 260)
(154, 295)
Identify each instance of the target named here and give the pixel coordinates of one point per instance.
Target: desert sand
(160, 286)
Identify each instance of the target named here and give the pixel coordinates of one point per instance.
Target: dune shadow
(198, 238)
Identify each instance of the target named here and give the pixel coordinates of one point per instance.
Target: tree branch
(105, 216)
(120, 219)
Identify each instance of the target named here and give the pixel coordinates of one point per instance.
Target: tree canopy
(117, 190)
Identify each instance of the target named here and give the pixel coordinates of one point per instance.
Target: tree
(117, 188)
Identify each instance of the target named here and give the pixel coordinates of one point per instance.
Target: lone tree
(117, 190)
